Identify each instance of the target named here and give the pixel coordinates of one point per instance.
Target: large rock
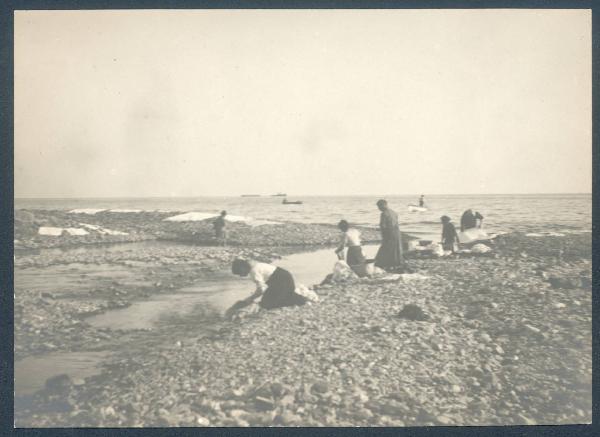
(58, 385)
(320, 387)
(413, 312)
(565, 282)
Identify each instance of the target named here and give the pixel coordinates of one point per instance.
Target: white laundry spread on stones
(199, 216)
(56, 232)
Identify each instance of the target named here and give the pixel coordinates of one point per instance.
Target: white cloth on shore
(436, 249)
(200, 216)
(307, 293)
(191, 217)
(480, 248)
(472, 235)
(372, 270)
(56, 232)
(342, 272)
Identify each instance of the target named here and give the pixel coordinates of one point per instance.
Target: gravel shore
(478, 341)
(149, 225)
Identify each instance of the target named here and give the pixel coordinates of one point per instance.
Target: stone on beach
(413, 312)
(58, 386)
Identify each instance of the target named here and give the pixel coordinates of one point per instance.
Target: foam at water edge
(86, 211)
(125, 210)
(249, 220)
(544, 234)
(262, 222)
(237, 218)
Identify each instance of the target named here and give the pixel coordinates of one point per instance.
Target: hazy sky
(186, 103)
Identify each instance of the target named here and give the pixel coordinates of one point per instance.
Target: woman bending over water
(354, 257)
(274, 284)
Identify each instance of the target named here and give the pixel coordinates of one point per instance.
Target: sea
(537, 214)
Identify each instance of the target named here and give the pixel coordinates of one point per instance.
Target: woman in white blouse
(354, 257)
(274, 284)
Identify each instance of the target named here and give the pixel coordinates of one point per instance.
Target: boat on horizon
(279, 195)
(250, 195)
(288, 202)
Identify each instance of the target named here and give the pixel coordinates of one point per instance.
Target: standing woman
(449, 235)
(220, 231)
(354, 257)
(274, 284)
(389, 256)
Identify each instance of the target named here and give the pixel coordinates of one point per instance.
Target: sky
(329, 102)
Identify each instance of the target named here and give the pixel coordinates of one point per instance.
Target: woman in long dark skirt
(274, 284)
(354, 256)
(390, 256)
(449, 235)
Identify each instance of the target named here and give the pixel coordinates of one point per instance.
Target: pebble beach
(465, 340)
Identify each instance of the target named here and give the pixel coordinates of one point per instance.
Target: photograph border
(7, 213)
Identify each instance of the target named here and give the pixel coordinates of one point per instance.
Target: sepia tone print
(256, 218)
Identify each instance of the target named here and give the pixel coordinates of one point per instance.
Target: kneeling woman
(276, 285)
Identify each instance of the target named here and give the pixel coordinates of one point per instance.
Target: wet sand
(507, 340)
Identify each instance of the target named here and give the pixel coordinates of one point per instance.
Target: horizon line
(299, 195)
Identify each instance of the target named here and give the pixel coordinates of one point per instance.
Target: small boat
(417, 208)
(279, 195)
(287, 202)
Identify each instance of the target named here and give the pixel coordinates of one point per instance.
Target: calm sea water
(564, 213)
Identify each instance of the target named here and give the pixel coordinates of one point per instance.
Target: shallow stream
(206, 299)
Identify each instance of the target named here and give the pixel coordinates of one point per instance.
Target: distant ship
(250, 195)
(287, 202)
(279, 195)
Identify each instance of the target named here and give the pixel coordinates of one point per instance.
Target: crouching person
(274, 284)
